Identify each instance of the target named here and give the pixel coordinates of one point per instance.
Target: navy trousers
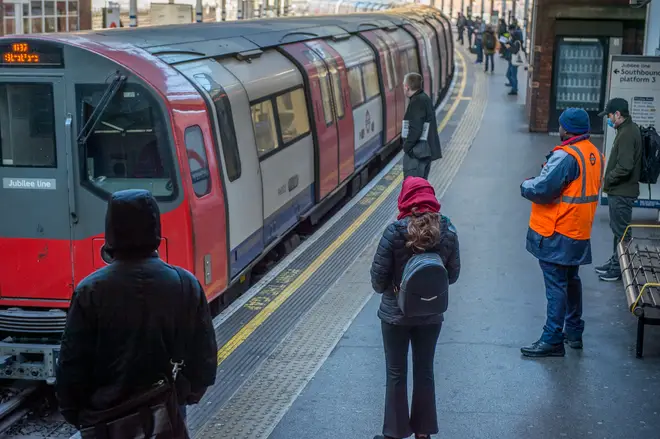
(563, 289)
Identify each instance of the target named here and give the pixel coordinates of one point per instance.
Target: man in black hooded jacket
(419, 133)
(126, 319)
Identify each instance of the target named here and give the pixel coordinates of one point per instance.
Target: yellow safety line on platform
(225, 351)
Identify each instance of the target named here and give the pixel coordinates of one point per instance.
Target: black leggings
(423, 418)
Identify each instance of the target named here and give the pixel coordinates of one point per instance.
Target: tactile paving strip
(254, 410)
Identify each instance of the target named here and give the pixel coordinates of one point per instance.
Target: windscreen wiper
(95, 117)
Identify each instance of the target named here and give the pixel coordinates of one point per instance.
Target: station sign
(637, 80)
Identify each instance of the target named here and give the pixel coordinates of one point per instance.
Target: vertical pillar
(513, 9)
(286, 8)
(492, 9)
(525, 19)
(442, 6)
(451, 10)
(223, 10)
(198, 11)
(239, 9)
(503, 13)
(652, 32)
(483, 8)
(462, 6)
(133, 13)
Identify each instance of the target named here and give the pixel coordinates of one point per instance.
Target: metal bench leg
(640, 336)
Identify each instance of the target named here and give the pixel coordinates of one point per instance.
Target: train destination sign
(30, 54)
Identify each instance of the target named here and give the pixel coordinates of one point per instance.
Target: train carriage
(241, 130)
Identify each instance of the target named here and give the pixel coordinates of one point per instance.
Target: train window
(225, 124)
(388, 64)
(325, 96)
(27, 125)
(355, 86)
(129, 147)
(413, 64)
(390, 59)
(404, 64)
(292, 114)
(197, 161)
(336, 87)
(371, 79)
(263, 122)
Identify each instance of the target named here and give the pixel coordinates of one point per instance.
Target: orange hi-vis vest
(573, 213)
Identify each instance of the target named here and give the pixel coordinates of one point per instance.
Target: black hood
(132, 224)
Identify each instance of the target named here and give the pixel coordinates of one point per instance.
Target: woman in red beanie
(419, 228)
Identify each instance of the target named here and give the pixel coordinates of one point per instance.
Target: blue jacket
(560, 169)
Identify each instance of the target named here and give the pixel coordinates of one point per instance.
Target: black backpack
(489, 41)
(424, 289)
(650, 156)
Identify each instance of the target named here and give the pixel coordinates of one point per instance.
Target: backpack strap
(177, 359)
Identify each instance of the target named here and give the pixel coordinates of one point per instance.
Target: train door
(397, 72)
(420, 59)
(342, 108)
(444, 54)
(37, 192)
(327, 177)
(234, 148)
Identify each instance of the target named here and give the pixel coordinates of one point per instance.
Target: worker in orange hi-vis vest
(564, 199)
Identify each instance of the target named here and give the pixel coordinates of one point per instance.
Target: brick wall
(542, 54)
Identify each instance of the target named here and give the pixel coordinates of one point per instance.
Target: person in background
(419, 228)
(478, 36)
(461, 22)
(512, 47)
(564, 199)
(502, 32)
(470, 29)
(489, 44)
(130, 319)
(624, 168)
(419, 132)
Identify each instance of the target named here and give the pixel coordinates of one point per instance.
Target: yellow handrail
(625, 232)
(647, 285)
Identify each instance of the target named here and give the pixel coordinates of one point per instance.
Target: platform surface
(485, 389)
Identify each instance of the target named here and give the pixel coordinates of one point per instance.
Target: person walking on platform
(478, 41)
(461, 22)
(624, 168)
(564, 199)
(419, 132)
(130, 325)
(419, 228)
(489, 43)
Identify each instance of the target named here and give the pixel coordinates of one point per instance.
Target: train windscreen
(127, 146)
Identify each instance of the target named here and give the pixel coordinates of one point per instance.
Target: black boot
(542, 349)
(575, 343)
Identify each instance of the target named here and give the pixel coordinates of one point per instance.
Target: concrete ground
(485, 389)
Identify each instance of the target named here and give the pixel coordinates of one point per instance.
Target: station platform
(301, 355)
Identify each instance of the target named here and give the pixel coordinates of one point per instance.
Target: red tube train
(242, 130)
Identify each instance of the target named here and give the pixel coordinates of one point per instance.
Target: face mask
(610, 123)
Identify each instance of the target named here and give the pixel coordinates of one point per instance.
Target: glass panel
(10, 10)
(336, 88)
(26, 10)
(73, 7)
(26, 25)
(197, 161)
(225, 125)
(413, 64)
(263, 122)
(355, 86)
(61, 24)
(27, 125)
(73, 24)
(325, 96)
(61, 8)
(10, 26)
(579, 75)
(129, 148)
(37, 25)
(37, 11)
(50, 24)
(371, 80)
(49, 7)
(292, 112)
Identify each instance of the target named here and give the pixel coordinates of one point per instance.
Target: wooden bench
(639, 259)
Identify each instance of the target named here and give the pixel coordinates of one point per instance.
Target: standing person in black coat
(419, 132)
(419, 228)
(127, 320)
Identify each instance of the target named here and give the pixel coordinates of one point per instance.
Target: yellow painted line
(466, 98)
(247, 330)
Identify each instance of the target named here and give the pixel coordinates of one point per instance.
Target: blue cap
(575, 121)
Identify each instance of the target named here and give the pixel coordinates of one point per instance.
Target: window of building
(325, 95)
(355, 86)
(336, 87)
(129, 147)
(41, 16)
(197, 161)
(371, 79)
(226, 128)
(292, 114)
(27, 125)
(263, 122)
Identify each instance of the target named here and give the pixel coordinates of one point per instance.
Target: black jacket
(124, 319)
(420, 111)
(624, 167)
(390, 259)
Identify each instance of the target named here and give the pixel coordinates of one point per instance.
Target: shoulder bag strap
(177, 348)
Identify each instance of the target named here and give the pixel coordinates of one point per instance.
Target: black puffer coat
(124, 319)
(390, 259)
